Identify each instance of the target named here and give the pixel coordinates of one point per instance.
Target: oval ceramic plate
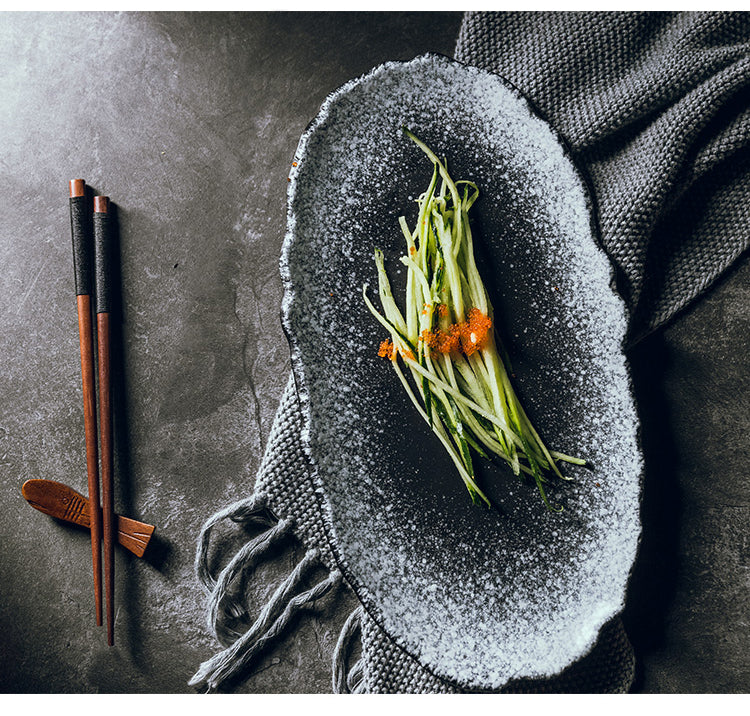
(478, 596)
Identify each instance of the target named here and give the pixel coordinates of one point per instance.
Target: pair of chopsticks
(91, 238)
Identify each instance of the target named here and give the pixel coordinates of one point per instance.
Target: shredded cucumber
(446, 338)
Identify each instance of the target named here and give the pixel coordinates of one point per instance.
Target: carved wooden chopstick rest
(64, 503)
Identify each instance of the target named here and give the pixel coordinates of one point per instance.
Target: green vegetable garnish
(447, 341)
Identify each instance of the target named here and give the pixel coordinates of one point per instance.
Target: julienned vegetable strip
(446, 338)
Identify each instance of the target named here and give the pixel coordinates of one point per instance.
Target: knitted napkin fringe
(225, 608)
(349, 679)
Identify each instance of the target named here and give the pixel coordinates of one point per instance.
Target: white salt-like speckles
(478, 597)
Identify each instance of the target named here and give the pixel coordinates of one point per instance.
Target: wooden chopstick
(103, 296)
(81, 237)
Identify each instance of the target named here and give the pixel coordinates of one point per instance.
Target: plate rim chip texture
(382, 80)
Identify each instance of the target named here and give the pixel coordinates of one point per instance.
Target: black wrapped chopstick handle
(80, 232)
(102, 228)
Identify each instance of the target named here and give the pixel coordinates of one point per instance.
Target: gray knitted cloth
(656, 110)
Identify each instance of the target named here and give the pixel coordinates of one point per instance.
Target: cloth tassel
(221, 605)
(353, 681)
(271, 622)
(247, 511)
(356, 679)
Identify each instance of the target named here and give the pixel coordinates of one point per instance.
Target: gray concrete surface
(188, 123)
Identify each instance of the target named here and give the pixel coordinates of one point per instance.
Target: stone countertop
(188, 123)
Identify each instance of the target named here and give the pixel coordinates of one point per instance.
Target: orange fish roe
(442, 310)
(450, 341)
(443, 341)
(475, 331)
(387, 349)
(413, 250)
(468, 336)
(429, 338)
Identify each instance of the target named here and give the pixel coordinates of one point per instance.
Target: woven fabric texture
(285, 486)
(655, 108)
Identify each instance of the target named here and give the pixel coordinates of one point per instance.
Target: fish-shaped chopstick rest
(64, 503)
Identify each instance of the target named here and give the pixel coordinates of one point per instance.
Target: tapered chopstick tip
(77, 188)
